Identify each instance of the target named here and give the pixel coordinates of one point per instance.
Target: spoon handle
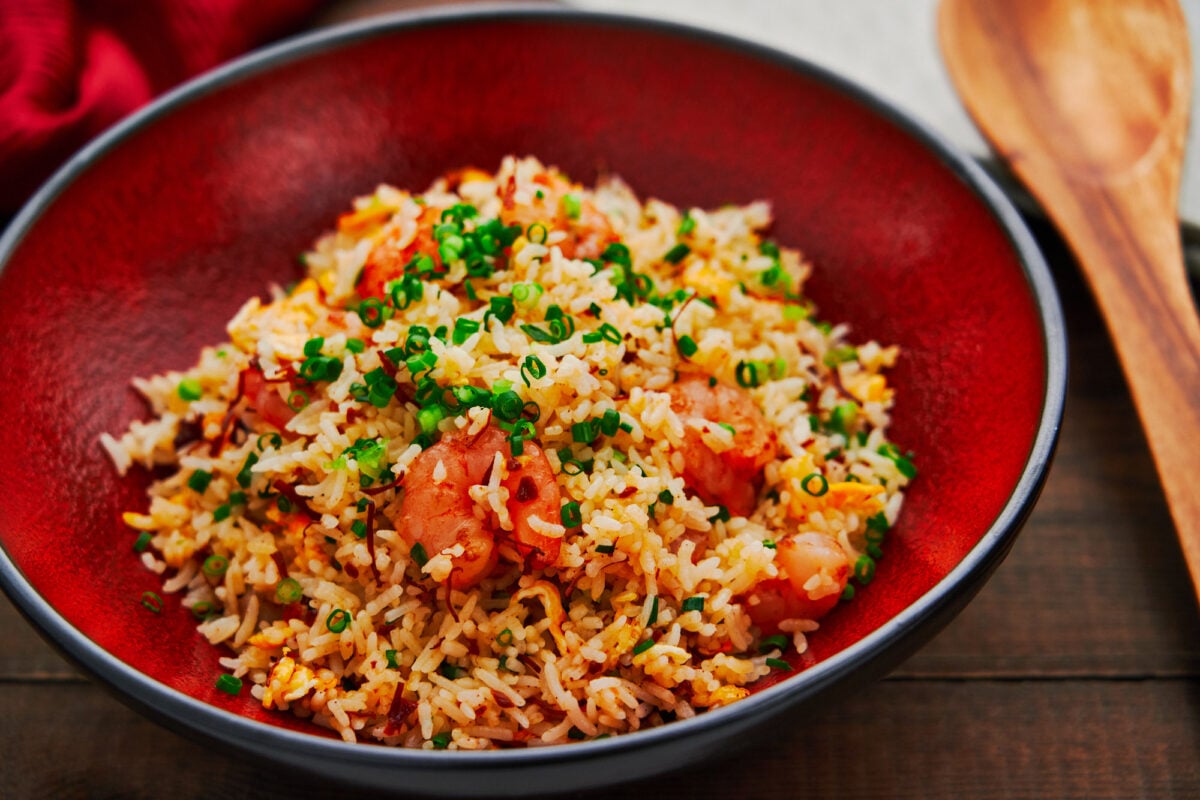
(1129, 248)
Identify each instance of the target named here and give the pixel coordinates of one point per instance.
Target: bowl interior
(145, 254)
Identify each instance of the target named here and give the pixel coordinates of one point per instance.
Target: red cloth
(68, 69)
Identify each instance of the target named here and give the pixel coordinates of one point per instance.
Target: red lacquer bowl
(140, 249)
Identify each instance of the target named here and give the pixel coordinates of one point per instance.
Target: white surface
(888, 46)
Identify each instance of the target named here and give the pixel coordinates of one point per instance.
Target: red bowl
(139, 250)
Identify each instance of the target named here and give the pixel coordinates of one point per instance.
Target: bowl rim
(214, 723)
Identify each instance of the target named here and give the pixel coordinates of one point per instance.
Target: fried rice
(519, 462)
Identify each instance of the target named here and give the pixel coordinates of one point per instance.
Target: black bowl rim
(211, 722)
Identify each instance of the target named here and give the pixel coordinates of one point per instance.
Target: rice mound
(282, 526)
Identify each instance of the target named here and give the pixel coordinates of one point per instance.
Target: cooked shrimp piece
(439, 513)
(731, 478)
(816, 571)
(387, 260)
(588, 230)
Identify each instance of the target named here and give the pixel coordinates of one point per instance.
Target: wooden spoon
(1087, 100)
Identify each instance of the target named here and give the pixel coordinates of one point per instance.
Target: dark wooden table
(1074, 674)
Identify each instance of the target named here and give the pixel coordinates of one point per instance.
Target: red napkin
(69, 69)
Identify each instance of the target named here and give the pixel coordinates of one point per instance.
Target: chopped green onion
(815, 484)
(677, 253)
(610, 422)
(722, 515)
(840, 355)
(313, 346)
(653, 618)
(864, 569)
(643, 647)
(229, 684)
(848, 592)
(359, 528)
(215, 566)
(288, 591)
(142, 542)
(526, 295)
(429, 417)
(728, 427)
(222, 512)
(390, 655)
(576, 735)
(507, 405)
(535, 368)
(877, 526)
(198, 481)
(842, 418)
(747, 374)
(372, 312)
(418, 554)
(665, 497)
(571, 516)
(606, 549)
(776, 642)
(505, 637)
(536, 233)
(284, 503)
(189, 389)
(152, 602)
(793, 313)
(874, 551)
(440, 741)
(695, 603)
(450, 671)
(297, 400)
(202, 609)
(769, 544)
(583, 432)
(688, 346)
(274, 439)
(502, 308)
(337, 620)
(463, 329)
(686, 225)
(778, 663)
(571, 206)
(355, 345)
(903, 463)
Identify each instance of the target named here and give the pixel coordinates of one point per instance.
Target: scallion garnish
(687, 346)
(814, 484)
(864, 569)
(572, 206)
(571, 515)
(505, 637)
(778, 663)
(373, 312)
(297, 400)
(776, 642)
(288, 591)
(229, 684)
(653, 618)
(677, 253)
(390, 655)
(902, 462)
(152, 602)
(606, 549)
(215, 566)
(840, 355)
(198, 481)
(583, 432)
(418, 554)
(359, 528)
(337, 620)
(665, 497)
(694, 603)
(189, 389)
(686, 225)
(142, 542)
(274, 439)
(642, 647)
(532, 367)
(440, 741)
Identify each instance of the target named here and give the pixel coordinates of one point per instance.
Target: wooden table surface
(1074, 674)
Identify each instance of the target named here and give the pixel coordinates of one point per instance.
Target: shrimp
(816, 571)
(439, 513)
(731, 478)
(588, 230)
(386, 262)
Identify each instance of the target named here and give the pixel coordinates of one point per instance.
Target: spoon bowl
(1088, 103)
